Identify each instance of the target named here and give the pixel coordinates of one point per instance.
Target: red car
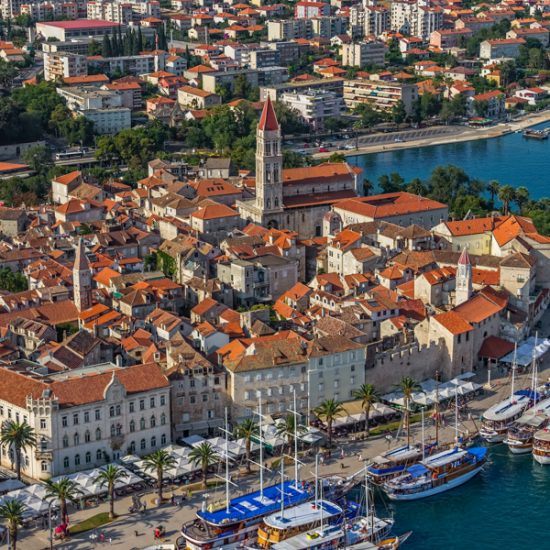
(323, 150)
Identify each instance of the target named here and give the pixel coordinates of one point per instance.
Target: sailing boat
(229, 527)
(500, 417)
(438, 473)
(520, 434)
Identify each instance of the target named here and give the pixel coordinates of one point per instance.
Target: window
(86, 417)
(162, 400)
(44, 466)
(111, 411)
(353, 368)
(152, 402)
(113, 430)
(204, 397)
(75, 419)
(132, 447)
(98, 434)
(65, 441)
(153, 421)
(163, 439)
(87, 436)
(132, 426)
(98, 454)
(153, 442)
(76, 439)
(98, 414)
(88, 457)
(66, 462)
(142, 444)
(64, 421)
(142, 404)
(132, 406)
(192, 399)
(162, 419)
(42, 423)
(77, 460)
(142, 423)
(117, 410)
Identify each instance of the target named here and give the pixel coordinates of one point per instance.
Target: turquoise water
(505, 507)
(509, 159)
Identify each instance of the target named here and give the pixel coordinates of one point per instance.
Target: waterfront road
(123, 531)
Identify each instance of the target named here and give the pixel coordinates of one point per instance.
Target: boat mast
(226, 465)
(535, 373)
(316, 480)
(437, 407)
(513, 372)
(456, 419)
(423, 444)
(295, 442)
(282, 486)
(261, 448)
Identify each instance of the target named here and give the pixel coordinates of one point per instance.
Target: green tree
(106, 47)
(159, 462)
(17, 436)
(286, 429)
(392, 183)
(493, 187)
(204, 456)
(417, 187)
(7, 74)
(481, 107)
(398, 112)
(109, 477)
(327, 412)
(368, 395)
(39, 158)
(64, 490)
(241, 87)
(337, 157)
(408, 386)
(507, 195)
(521, 197)
(12, 511)
(247, 430)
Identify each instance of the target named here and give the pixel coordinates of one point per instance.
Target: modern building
(382, 95)
(315, 106)
(77, 29)
(500, 48)
(363, 53)
(59, 65)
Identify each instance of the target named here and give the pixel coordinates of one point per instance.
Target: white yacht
(520, 434)
(541, 446)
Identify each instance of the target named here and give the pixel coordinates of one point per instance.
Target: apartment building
(289, 29)
(315, 106)
(380, 94)
(59, 65)
(500, 48)
(369, 20)
(410, 17)
(328, 26)
(309, 10)
(363, 53)
(86, 417)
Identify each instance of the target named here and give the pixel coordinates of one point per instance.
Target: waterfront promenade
(426, 137)
(122, 531)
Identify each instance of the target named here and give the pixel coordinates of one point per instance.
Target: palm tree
(521, 197)
(368, 395)
(408, 386)
(246, 430)
(159, 462)
(12, 511)
(286, 428)
(327, 411)
(18, 436)
(506, 194)
(204, 456)
(109, 477)
(493, 187)
(65, 490)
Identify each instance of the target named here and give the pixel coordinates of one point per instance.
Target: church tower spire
(463, 278)
(269, 162)
(82, 280)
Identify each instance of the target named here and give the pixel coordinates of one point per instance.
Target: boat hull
(519, 448)
(493, 436)
(456, 482)
(542, 459)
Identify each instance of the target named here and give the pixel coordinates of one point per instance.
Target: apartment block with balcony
(315, 106)
(363, 53)
(59, 65)
(380, 94)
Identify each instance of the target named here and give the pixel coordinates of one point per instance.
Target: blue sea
(509, 159)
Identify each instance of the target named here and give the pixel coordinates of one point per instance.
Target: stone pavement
(122, 532)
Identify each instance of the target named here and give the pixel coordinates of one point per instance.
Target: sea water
(510, 159)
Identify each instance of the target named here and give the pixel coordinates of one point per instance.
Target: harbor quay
(348, 456)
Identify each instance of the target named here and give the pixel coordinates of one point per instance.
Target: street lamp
(50, 526)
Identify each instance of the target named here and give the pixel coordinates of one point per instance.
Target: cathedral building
(295, 198)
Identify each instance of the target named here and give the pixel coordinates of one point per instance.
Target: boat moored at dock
(519, 437)
(541, 446)
(436, 474)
